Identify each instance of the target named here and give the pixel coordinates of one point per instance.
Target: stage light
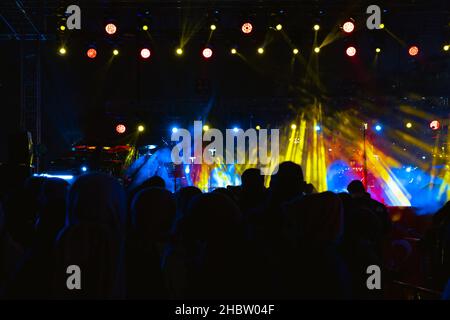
(293, 126)
(424, 158)
(235, 129)
(435, 125)
(145, 27)
(317, 128)
(179, 51)
(207, 53)
(409, 125)
(316, 27)
(295, 51)
(408, 169)
(62, 51)
(91, 53)
(279, 27)
(446, 47)
(205, 127)
(260, 50)
(381, 25)
(348, 27)
(187, 170)
(247, 28)
(140, 128)
(110, 28)
(377, 50)
(145, 53)
(258, 127)
(115, 52)
(174, 130)
(378, 128)
(84, 169)
(413, 51)
(62, 27)
(120, 128)
(316, 49)
(213, 27)
(233, 51)
(351, 51)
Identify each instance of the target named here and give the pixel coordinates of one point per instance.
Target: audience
(152, 213)
(287, 241)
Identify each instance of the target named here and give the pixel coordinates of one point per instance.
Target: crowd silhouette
(282, 242)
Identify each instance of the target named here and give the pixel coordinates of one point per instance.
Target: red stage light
(110, 28)
(145, 53)
(91, 53)
(435, 125)
(247, 28)
(120, 128)
(413, 51)
(207, 53)
(348, 27)
(351, 51)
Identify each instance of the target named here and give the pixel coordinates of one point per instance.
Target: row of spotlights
(246, 27)
(146, 53)
(120, 128)
(208, 52)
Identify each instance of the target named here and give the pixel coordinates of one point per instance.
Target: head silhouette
(99, 199)
(356, 187)
(252, 180)
(184, 197)
(155, 181)
(288, 182)
(152, 213)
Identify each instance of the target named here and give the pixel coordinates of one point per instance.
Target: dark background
(83, 99)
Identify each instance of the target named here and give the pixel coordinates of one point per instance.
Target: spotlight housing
(348, 27)
(247, 28)
(111, 28)
(120, 128)
(351, 51)
(413, 51)
(207, 53)
(145, 53)
(435, 125)
(91, 53)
